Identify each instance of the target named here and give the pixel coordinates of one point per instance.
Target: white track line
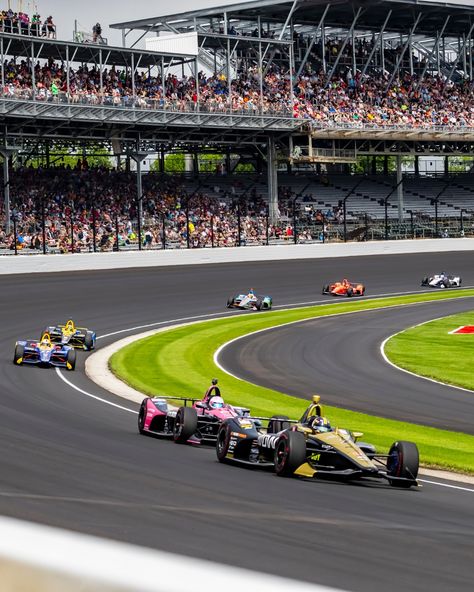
(459, 487)
(388, 361)
(69, 383)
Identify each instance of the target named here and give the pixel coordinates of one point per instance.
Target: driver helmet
(320, 424)
(216, 403)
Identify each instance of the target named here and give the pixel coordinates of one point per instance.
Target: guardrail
(40, 558)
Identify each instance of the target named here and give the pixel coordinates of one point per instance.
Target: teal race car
(250, 301)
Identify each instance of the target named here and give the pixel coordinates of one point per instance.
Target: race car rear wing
(186, 400)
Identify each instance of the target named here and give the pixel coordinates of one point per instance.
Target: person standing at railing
(49, 28)
(97, 33)
(35, 25)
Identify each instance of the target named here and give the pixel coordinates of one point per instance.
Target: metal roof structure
(309, 12)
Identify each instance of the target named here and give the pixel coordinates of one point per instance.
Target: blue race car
(44, 353)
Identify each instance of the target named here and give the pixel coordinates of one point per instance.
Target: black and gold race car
(69, 334)
(310, 447)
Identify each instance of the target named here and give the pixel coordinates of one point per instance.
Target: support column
(446, 166)
(6, 190)
(138, 156)
(7, 153)
(272, 181)
(417, 166)
(400, 188)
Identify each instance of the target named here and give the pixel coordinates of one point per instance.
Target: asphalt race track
(71, 461)
(340, 357)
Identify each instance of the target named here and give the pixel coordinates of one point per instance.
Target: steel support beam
(272, 180)
(312, 42)
(376, 43)
(400, 201)
(456, 61)
(400, 57)
(434, 49)
(343, 47)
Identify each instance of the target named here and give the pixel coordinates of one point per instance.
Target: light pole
(385, 203)
(344, 208)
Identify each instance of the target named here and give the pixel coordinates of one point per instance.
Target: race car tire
(18, 355)
(325, 289)
(230, 302)
(141, 419)
(185, 424)
(278, 423)
(350, 292)
(258, 304)
(222, 443)
(403, 462)
(71, 359)
(425, 281)
(290, 453)
(88, 341)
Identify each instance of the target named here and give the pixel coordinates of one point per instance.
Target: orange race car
(344, 288)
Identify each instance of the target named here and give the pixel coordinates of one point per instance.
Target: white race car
(442, 280)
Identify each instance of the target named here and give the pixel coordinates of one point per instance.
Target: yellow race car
(311, 447)
(69, 334)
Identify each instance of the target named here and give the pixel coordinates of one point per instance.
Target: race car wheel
(71, 359)
(403, 461)
(258, 304)
(88, 342)
(350, 292)
(425, 281)
(278, 423)
(141, 419)
(19, 353)
(290, 453)
(325, 289)
(230, 302)
(185, 424)
(222, 444)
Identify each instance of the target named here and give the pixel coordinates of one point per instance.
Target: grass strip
(430, 350)
(179, 362)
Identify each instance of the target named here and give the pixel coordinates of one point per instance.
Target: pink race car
(197, 421)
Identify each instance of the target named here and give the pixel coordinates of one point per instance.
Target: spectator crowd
(346, 99)
(20, 23)
(72, 202)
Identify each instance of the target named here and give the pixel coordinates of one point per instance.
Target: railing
(317, 125)
(212, 107)
(167, 230)
(28, 29)
(41, 558)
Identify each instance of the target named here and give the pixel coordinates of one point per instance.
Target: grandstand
(289, 96)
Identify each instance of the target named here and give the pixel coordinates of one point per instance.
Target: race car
(195, 421)
(344, 288)
(44, 353)
(250, 301)
(442, 280)
(69, 334)
(311, 448)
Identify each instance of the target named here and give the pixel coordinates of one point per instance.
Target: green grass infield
(431, 350)
(179, 362)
